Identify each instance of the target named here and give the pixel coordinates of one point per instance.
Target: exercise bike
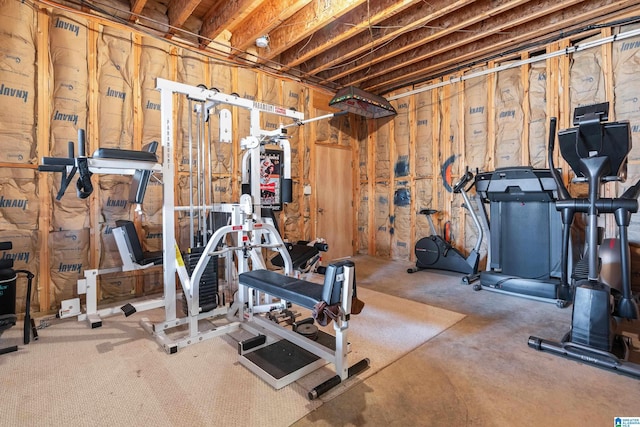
(597, 152)
(434, 252)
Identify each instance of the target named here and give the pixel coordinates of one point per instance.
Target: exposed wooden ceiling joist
(341, 30)
(306, 21)
(178, 12)
(420, 47)
(377, 45)
(403, 24)
(136, 9)
(464, 52)
(225, 15)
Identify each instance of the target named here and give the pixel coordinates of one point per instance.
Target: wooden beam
(471, 26)
(225, 15)
(413, 131)
(136, 9)
(269, 15)
(358, 20)
(178, 12)
(405, 23)
(525, 153)
(296, 22)
(456, 50)
(371, 173)
(44, 195)
(491, 118)
(93, 34)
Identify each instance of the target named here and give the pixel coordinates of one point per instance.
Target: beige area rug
(118, 374)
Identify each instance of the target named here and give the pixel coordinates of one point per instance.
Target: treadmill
(525, 244)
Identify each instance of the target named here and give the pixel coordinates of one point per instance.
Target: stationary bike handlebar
(463, 181)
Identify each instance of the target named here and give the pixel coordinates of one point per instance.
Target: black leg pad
(128, 309)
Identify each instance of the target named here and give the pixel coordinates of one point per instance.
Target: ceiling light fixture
(262, 41)
(363, 103)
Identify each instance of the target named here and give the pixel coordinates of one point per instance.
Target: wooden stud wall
(44, 181)
(558, 104)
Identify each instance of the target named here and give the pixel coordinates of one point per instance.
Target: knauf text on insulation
(13, 92)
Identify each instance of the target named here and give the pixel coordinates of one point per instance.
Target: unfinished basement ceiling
(375, 45)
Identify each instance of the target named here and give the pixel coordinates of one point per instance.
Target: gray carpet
(117, 374)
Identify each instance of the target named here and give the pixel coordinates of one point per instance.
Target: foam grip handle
(321, 389)
(322, 247)
(57, 161)
(81, 143)
(287, 190)
(45, 168)
(335, 380)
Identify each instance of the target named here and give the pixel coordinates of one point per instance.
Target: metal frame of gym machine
(245, 238)
(247, 231)
(246, 228)
(244, 217)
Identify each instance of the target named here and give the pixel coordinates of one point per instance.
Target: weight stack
(209, 297)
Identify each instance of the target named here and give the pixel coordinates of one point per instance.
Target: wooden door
(334, 195)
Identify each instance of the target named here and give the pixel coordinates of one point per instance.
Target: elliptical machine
(434, 252)
(597, 152)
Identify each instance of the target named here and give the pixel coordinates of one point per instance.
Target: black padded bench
(82, 166)
(147, 155)
(300, 292)
(302, 255)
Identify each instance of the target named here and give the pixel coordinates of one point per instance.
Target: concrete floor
(480, 372)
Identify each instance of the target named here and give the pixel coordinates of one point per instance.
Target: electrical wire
(268, 65)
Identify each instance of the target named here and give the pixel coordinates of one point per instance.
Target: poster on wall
(271, 179)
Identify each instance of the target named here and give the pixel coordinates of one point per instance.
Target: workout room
(319, 212)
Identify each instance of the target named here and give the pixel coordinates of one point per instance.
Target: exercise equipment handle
(632, 192)
(466, 178)
(335, 380)
(81, 143)
(563, 193)
(322, 247)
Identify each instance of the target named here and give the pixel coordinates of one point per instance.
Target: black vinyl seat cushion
(300, 256)
(300, 292)
(120, 154)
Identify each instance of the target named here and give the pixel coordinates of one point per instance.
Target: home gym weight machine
(241, 243)
(434, 252)
(259, 291)
(596, 150)
(141, 164)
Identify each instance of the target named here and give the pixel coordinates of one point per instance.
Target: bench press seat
(300, 292)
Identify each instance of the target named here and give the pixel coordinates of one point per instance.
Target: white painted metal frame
(337, 357)
(246, 226)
